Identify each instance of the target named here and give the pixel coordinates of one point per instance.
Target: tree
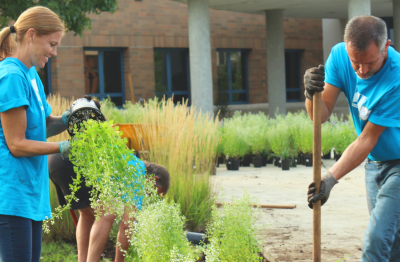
(73, 12)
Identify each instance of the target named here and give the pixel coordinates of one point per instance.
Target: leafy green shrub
(101, 156)
(157, 235)
(232, 232)
(127, 114)
(256, 136)
(233, 140)
(345, 133)
(328, 137)
(306, 133)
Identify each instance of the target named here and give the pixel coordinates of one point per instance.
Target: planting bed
(288, 235)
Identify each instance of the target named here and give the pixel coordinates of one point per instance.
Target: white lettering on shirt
(34, 84)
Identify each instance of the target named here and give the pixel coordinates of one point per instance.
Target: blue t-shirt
(375, 99)
(24, 180)
(141, 171)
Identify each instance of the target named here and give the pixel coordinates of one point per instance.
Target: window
(45, 77)
(104, 74)
(171, 68)
(232, 77)
(293, 75)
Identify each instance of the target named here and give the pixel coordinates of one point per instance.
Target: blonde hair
(42, 19)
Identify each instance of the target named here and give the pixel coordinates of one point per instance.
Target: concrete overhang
(299, 8)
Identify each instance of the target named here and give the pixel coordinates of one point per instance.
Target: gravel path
(288, 236)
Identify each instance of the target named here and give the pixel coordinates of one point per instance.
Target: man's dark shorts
(61, 173)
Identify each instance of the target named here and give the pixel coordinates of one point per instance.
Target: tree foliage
(73, 12)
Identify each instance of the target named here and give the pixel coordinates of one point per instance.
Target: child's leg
(83, 229)
(99, 236)
(122, 239)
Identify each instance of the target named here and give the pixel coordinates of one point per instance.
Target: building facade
(146, 43)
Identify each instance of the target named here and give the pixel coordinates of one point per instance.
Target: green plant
(101, 156)
(279, 137)
(58, 251)
(185, 142)
(233, 141)
(256, 137)
(120, 116)
(157, 235)
(232, 232)
(306, 133)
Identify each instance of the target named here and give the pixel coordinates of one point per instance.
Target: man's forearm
(352, 157)
(324, 110)
(54, 126)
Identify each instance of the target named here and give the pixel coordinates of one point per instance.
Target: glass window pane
(222, 71)
(112, 72)
(293, 95)
(160, 71)
(239, 97)
(179, 72)
(222, 99)
(292, 68)
(178, 98)
(237, 71)
(42, 72)
(91, 64)
(117, 100)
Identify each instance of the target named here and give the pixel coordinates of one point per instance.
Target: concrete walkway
(289, 234)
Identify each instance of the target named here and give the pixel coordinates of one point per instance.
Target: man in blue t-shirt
(367, 70)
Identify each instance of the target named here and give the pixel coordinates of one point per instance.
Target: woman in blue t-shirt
(25, 123)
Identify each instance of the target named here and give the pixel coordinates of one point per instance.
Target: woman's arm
(54, 126)
(14, 126)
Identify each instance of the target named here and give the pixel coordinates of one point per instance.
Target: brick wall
(138, 27)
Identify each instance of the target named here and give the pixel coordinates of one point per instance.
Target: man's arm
(358, 151)
(329, 97)
(54, 126)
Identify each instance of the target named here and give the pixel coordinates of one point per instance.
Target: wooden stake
(317, 176)
(219, 204)
(131, 88)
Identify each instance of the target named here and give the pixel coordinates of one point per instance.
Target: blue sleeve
(13, 92)
(332, 74)
(387, 111)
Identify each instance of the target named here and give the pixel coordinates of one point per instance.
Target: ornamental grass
(185, 142)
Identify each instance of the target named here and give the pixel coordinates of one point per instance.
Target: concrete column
(275, 62)
(200, 55)
(332, 34)
(396, 24)
(359, 7)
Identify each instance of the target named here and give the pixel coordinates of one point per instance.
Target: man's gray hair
(363, 30)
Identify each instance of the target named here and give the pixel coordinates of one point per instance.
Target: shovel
(317, 175)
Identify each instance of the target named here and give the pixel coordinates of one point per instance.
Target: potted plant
(279, 138)
(327, 139)
(233, 141)
(256, 135)
(345, 135)
(306, 138)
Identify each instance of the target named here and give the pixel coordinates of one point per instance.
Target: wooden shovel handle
(317, 176)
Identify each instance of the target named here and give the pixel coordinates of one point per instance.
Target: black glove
(314, 81)
(327, 183)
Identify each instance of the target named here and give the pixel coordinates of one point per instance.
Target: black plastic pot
(257, 161)
(228, 165)
(234, 164)
(308, 160)
(220, 160)
(279, 162)
(270, 159)
(293, 162)
(337, 156)
(285, 164)
(301, 159)
(246, 160)
(264, 160)
(195, 238)
(327, 156)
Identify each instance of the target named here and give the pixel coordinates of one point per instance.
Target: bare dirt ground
(288, 235)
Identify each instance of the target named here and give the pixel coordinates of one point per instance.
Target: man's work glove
(314, 81)
(327, 182)
(64, 149)
(65, 116)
